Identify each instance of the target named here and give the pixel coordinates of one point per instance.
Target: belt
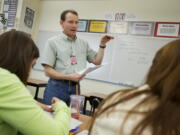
(69, 82)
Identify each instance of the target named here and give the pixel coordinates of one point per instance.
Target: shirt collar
(64, 36)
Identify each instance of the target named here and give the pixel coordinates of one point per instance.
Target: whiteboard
(127, 58)
(132, 57)
(101, 73)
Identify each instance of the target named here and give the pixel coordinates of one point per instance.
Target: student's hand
(45, 107)
(76, 77)
(48, 108)
(105, 39)
(55, 100)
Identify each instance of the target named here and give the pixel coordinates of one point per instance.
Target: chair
(94, 102)
(38, 84)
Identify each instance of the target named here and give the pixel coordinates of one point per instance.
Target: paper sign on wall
(167, 29)
(118, 27)
(98, 26)
(141, 28)
(82, 25)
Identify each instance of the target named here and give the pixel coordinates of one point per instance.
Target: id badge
(73, 60)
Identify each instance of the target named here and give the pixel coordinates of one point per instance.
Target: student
(65, 55)
(19, 112)
(152, 109)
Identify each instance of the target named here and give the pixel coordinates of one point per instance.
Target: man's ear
(61, 22)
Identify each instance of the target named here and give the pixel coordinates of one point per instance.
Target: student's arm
(100, 54)
(20, 110)
(52, 73)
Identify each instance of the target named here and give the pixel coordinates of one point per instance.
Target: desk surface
(36, 82)
(86, 121)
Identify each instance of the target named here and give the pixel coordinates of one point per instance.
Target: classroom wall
(144, 10)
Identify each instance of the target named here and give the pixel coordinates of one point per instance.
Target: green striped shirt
(58, 52)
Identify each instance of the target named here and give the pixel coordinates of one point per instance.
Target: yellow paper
(98, 26)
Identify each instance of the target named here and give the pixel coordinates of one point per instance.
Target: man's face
(70, 25)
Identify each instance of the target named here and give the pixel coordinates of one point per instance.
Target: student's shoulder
(6, 74)
(7, 78)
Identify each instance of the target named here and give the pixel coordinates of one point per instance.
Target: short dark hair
(17, 51)
(65, 12)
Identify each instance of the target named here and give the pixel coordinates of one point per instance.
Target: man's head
(69, 22)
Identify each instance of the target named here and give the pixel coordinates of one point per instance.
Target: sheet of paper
(89, 69)
(98, 26)
(118, 27)
(168, 29)
(82, 25)
(6, 7)
(142, 28)
(75, 123)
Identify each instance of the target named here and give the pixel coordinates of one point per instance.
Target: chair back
(94, 102)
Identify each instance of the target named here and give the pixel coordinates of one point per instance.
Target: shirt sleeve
(49, 54)
(90, 54)
(20, 111)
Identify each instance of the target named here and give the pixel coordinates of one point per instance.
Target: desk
(36, 83)
(88, 95)
(86, 121)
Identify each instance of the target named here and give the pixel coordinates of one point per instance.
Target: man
(65, 55)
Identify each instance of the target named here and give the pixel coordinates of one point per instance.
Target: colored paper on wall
(82, 25)
(98, 26)
(141, 28)
(167, 29)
